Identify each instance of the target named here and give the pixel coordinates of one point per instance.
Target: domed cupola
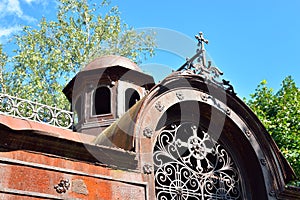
(104, 90)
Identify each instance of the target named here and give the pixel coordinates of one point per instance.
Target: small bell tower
(104, 90)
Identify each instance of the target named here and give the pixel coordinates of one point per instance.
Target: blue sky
(248, 40)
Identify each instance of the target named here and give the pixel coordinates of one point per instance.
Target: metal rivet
(263, 162)
(179, 95)
(112, 83)
(159, 106)
(147, 168)
(272, 193)
(203, 97)
(228, 111)
(248, 133)
(148, 132)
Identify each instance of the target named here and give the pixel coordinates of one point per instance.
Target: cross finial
(201, 49)
(201, 39)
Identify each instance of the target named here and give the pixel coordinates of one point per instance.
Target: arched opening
(191, 161)
(131, 97)
(189, 164)
(78, 109)
(102, 101)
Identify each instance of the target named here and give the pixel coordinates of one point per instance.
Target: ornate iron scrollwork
(198, 64)
(190, 164)
(35, 111)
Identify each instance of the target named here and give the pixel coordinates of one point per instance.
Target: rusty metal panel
(27, 179)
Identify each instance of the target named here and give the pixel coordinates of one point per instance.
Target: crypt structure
(187, 137)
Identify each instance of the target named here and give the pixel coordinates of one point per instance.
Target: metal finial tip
(200, 38)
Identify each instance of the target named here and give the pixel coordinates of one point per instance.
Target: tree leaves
(280, 113)
(3, 61)
(50, 55)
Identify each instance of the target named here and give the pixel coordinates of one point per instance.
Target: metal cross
(201, 39)
(200, 54)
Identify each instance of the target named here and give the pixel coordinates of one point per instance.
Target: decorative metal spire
(204, 68)
(201, 41)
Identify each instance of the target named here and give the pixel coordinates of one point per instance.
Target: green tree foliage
(280, 113)
(3, 61)
(48, 56)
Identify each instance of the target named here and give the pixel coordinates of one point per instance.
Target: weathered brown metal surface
(116, 74)
(111, 61)
(104, 70)
(28, 125)
(28, 175)
(290, 193)
(34, 163)
(69, 145)
(265, 171)
(38, 161)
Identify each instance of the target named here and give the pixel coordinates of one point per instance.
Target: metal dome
(111, 61)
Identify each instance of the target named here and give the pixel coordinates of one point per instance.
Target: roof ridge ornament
(199, 65)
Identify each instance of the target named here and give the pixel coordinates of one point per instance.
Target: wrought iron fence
(31, 110)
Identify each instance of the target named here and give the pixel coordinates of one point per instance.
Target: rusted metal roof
(25, 125)
(20, 134)
(111, 61)
(112, 68)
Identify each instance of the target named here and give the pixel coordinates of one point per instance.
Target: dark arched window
(102, 101)
(131, 97)
(190, 164)
(78, 110)
(192, 161)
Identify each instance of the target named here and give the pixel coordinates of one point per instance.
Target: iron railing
(32, 110)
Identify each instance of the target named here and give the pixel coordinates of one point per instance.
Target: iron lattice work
(189, 164)
(31, 110)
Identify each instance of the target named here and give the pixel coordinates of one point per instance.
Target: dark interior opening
(102, 101)
(231, 139)
(131, 97)
(78, 106)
